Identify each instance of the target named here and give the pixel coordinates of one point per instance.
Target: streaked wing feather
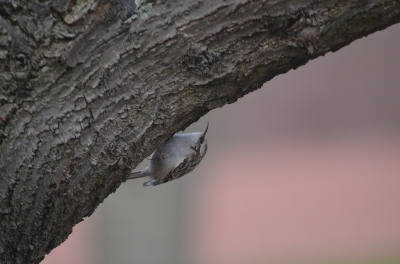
(175, 173)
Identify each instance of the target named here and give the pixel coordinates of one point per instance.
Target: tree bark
(89, 88)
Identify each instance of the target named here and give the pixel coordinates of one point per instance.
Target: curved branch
(89, 89)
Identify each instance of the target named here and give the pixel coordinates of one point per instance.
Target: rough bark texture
(88, 88)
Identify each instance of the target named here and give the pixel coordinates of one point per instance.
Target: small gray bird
(176, 157)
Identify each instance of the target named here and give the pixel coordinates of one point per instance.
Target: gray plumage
(174, 158)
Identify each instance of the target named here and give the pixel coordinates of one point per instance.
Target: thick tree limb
(89, 88)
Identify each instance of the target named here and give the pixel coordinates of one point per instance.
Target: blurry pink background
(304, 170)
(335, 198)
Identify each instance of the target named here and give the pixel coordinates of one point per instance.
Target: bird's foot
(149, 183)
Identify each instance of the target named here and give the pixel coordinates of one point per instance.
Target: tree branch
(89, 89)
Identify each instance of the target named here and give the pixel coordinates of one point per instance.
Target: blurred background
(304, 170)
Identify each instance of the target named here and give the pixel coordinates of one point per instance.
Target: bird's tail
(135, 175)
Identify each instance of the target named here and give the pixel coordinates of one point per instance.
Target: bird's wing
(176, 173)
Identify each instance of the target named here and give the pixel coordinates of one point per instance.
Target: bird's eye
(201, 140)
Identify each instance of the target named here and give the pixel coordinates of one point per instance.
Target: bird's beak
(205, 131)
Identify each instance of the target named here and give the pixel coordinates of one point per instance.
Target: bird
(175, 158)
